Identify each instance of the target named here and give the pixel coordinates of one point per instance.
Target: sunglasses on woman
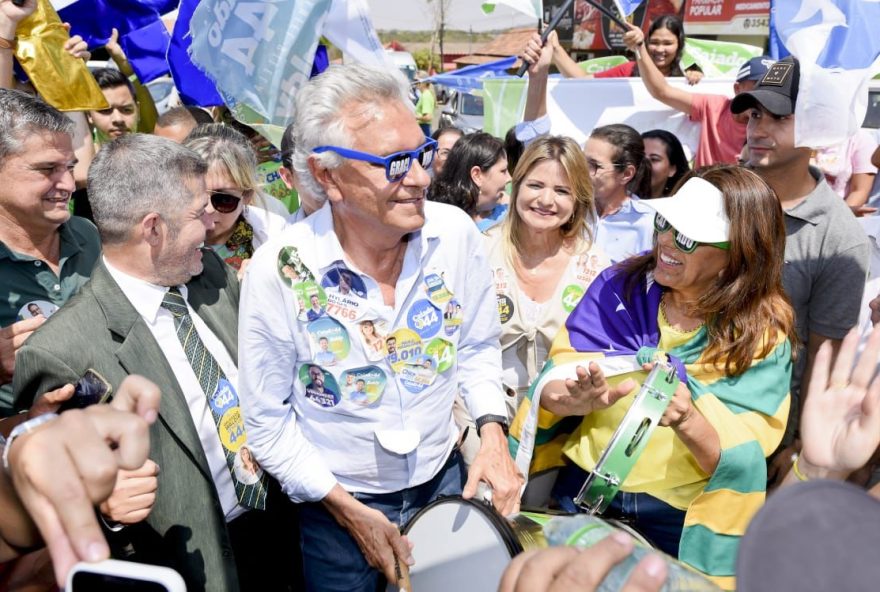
(224, 202)
(683, 243)
(396, 165)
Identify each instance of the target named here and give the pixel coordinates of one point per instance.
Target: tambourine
(628, 441)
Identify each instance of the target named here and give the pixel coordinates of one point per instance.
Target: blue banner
(471, 77)
(192, 85)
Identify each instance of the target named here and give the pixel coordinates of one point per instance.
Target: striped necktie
(250, 483)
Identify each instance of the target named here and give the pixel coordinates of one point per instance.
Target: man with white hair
(365, 467)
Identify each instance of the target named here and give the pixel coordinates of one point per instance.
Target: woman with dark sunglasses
(709, 296)
(239, 226)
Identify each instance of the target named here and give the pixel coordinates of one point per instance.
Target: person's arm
(860, 185)
(539, 58)
(62, 468)
(655, 82)
(692, 428)
(875, 158)
(840, 423)
(10, 16)
(563, 61)
(147, 113)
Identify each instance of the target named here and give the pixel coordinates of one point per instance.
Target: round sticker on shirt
(35, 308)
(224, 397)
(443, 352)
(571, 295)
(246, 468)
(452, 316)
(310, 300)
(330, 341)
(372, 334)
(424, 318)
(291, 269)
(321, 387)
(231, 429)
(402, 346)
(436, 288)
(363, 386)
(419, 374)
(505, 307)
(344, 281)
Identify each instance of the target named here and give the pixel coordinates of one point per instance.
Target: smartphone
(92, 388)
(112, 575)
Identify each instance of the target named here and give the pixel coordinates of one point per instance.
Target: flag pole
(554, 22)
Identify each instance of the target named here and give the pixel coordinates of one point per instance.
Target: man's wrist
(486, 420)
(22, 429)
(807, 471)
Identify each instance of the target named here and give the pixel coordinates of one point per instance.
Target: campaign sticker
(224, 397)
(35, 308)
(372, 333)
(363, 386)
(344, 281)
(247, 470)
(330, 341)
(588, 267)
(345, 307)
(436, 288)
(311, 300)
(419, 374)
(500, 277)
(231, 429)
(505, 307)
(443, 352)
(571, 295)
(401, 347)
(321, 387)
(452, 317)
(424, 318)
(291, 269)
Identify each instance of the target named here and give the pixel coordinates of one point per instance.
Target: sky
(416, 15)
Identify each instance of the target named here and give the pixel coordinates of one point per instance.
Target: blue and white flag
(259, 53)
(193, 86)
(471, 78)
(627, 7)
(838, 46)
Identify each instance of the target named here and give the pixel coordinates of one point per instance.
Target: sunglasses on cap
(224, 202)
(396, 165)
(683, 243)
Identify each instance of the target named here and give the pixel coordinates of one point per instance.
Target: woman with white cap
(709, 295)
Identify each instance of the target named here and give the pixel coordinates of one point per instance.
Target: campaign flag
(471, 78)
(529, 7)
(193, 86)
(627, 7)
(838, 48)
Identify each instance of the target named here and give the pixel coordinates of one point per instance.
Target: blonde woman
(239, 227)
(542, 255)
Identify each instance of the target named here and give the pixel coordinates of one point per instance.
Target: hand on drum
(565, 569)
(494, 466)
(587, 393)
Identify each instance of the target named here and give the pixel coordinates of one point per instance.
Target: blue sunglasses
(396, 165)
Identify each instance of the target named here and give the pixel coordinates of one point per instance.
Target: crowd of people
(281, 393)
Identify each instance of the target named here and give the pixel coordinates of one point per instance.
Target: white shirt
(402, 439)
(146, 298)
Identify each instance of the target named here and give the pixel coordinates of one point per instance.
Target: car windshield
(471, 105)
(872, 117)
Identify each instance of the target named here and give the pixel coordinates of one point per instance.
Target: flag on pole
(193, 86)
(838, 48)
(531, 8)
(627, 7)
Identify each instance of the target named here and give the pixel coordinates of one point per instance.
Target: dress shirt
(627, 232)
(310, 444)
(146, 298)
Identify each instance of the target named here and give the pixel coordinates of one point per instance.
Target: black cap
(777, 91)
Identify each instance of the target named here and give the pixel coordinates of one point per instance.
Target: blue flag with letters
(838, 46)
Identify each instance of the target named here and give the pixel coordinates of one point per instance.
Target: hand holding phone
(111, 575)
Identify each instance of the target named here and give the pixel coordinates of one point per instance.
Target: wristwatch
(499, 419)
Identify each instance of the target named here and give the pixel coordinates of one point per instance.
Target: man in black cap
(826, 250)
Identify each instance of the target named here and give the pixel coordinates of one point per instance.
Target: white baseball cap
(696, 211)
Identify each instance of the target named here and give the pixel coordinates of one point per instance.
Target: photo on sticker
(329, 340)
(320, 385)
(247, 469)
(344, 281)
(291, 268)
(372, 337)
(36, 308)
(311, 300)
(364, 386)
(325, 357)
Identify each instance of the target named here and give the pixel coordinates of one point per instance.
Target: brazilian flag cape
(619, 329)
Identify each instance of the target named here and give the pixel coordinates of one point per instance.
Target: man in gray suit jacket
(153, 289)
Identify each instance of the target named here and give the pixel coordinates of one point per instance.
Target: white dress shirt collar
(146, 297)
